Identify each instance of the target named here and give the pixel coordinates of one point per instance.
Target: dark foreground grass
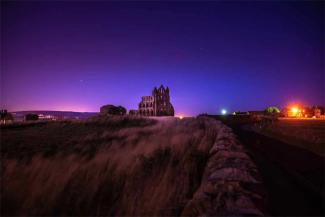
(103, 166)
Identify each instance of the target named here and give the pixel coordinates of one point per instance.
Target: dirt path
(294, 177)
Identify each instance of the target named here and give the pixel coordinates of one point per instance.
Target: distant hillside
(65, 114)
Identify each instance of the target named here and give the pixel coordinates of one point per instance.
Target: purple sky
(236, 55)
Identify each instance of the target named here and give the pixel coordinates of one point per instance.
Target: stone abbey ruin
(158, 104)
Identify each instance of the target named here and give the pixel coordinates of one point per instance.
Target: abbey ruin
(158, 104)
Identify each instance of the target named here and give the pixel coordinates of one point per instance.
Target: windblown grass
(104, 166)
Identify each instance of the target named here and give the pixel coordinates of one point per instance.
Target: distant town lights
(223, 111)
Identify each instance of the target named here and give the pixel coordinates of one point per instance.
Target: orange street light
(294, 110)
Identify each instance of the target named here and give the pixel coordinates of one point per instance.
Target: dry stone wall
(231, 184)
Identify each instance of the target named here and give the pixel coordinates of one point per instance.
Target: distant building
(6, 117)
(158, 104)
(240, 113)
(47, 117)
(256, 112)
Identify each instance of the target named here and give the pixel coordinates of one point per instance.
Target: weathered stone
(158, 104)
(232, 174)
(230, 185)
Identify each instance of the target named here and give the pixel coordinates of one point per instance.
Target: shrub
(31, 117)
(112, 110)
(272, 110)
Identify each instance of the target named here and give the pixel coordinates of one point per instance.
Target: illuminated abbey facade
(158, 104)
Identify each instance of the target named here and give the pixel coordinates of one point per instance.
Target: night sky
(237, 55)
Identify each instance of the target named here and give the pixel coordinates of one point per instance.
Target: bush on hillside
(31, 117)
(112, 110)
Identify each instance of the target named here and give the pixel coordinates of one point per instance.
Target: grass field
(305, 133)
(125, 166)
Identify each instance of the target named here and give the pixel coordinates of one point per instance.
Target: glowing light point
(181, 117)
(294, 110)
(223, 111)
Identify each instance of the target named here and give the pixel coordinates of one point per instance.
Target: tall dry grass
(104, 166)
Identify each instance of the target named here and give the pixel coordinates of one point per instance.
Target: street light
(223, 111)
(294, 110)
